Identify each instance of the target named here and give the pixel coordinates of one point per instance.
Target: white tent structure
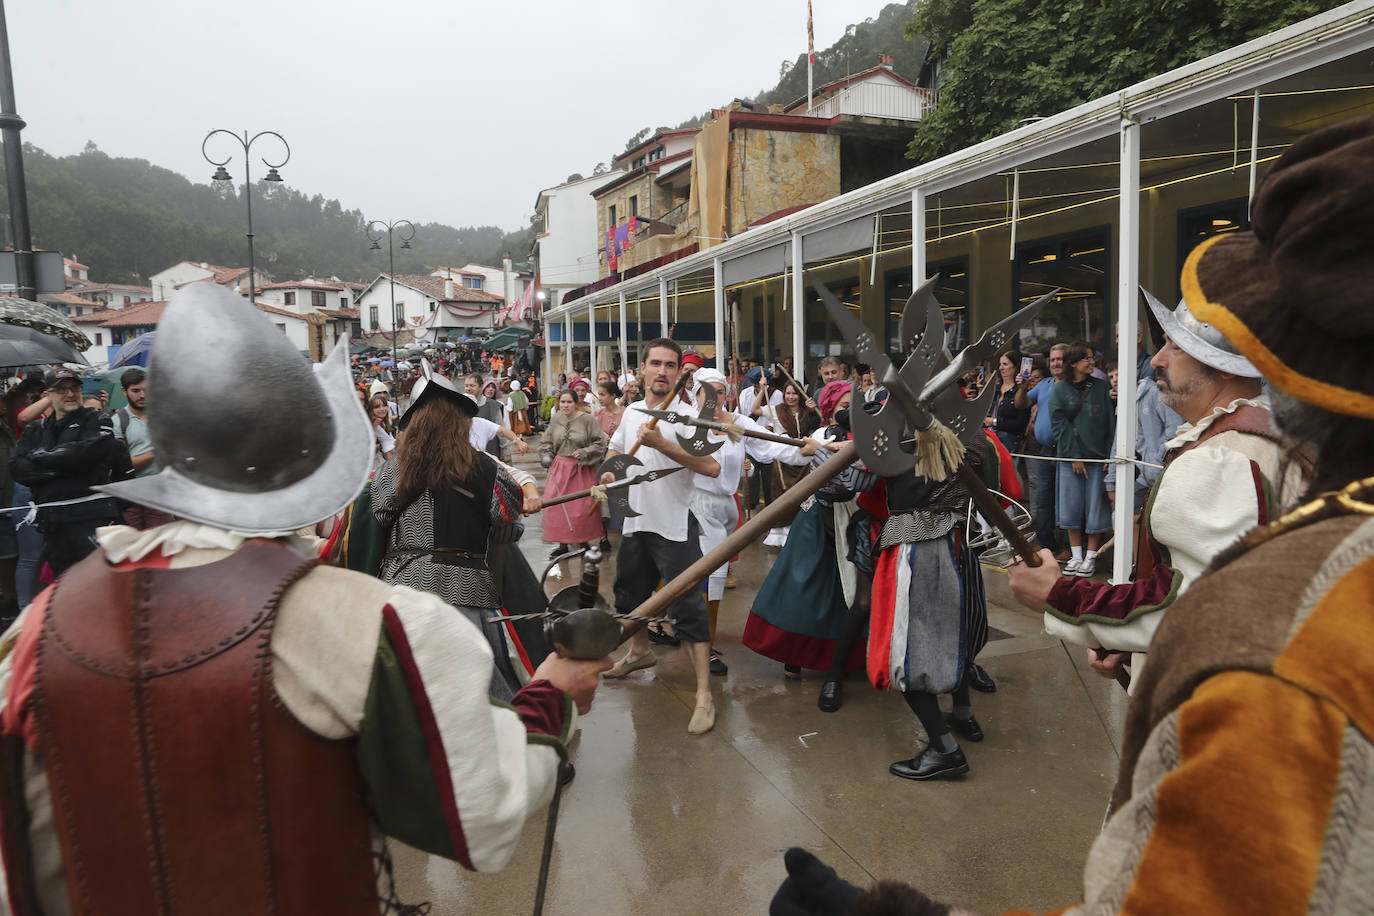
(1132, 161)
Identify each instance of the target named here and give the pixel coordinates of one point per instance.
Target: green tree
(1006, 60)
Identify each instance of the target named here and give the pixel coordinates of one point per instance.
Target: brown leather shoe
(703, 720)
(631, 663)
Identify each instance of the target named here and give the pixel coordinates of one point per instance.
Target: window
(634, 204)
(433, 305)
(372, 317)
(128, 299)
(656, 154)
(1197, 224)
(289, 298)
(98, 342)
(952, 293)
(610, 216)
(638, 163)
(400, 318)
(317, 298)
(472, 282)
(1079, 266)
(343, 302)
(76, 310)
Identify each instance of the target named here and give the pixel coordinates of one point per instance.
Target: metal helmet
(248, 436)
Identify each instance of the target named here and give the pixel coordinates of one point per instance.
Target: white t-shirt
(481, 433)
(664, 504)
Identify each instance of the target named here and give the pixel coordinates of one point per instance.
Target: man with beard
(131, 428)
(664, 539)
(1221, 478)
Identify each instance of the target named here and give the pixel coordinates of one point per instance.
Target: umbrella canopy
(23, 313)
(134, 352)
(25, 346)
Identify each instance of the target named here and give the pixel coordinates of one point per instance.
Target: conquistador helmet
(248, 437)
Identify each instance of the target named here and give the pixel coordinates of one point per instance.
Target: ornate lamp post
(406, 230)
(222, 174)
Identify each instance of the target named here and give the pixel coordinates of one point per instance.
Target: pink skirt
(570, 523)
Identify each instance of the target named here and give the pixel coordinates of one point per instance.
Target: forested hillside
(127, 218)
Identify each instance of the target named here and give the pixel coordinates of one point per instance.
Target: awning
(506, 338)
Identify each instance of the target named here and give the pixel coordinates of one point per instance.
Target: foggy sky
(458, 111)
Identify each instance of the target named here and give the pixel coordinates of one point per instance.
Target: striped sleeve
(449, 771)
(1230, 804)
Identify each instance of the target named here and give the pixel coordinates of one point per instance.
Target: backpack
(121, 418)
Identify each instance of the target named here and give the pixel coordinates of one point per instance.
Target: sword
(646, 477)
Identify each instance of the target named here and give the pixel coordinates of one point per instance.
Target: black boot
(931, 764)
(980, 680)
(832, 695)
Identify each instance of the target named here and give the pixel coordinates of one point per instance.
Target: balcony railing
(875, 100)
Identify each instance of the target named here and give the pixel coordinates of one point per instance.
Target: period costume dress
(438, 542)
(574, 446)
(237, 728)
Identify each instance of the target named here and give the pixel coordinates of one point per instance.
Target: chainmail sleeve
(506, 502)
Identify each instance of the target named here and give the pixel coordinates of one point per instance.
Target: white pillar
(624, 335)
(546, 377)
(662, 307)
(718, 282)
(798, 309)
(567, 342)
(591, 341)
(918, 239)
(1127, 298)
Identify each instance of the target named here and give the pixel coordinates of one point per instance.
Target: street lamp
(222, 174)
(407, 232)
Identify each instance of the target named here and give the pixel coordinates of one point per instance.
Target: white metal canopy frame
(837, 225)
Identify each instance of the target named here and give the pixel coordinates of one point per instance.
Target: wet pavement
(658, 821)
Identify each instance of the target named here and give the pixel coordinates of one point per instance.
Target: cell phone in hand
(1025, 367)
(982, 374)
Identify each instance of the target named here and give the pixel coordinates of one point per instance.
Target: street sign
(47, 266)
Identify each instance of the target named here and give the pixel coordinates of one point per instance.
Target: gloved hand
(545, 461)
(811, 888)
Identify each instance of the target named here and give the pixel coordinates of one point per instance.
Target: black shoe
(791, 672)
(969, 727)
(832, 695)
(718, 665)
(931, 764)
(660, 638)
(980, 680)
(605, 545)
(558, 551)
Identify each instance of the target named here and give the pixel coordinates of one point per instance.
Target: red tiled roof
(97, 316)
(340, 314)
(141, 314)
(655, 140)
(273, 310)
(434, 288)
(70, 263)
(778, 214)
(67, 299)
(459, 271)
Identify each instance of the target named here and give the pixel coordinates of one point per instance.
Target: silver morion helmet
(249, 438)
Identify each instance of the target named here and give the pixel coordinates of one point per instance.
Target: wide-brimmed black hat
(1296, 293)
(436, 386)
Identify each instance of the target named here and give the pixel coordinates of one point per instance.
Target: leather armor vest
(180, 783)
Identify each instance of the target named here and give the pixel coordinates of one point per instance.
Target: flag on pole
(810, 36)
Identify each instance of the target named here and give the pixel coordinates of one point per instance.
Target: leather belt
(412, 554)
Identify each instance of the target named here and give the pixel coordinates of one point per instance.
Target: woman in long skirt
(795, 417)
(571, 449)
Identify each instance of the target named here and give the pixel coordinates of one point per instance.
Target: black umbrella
(24, 346)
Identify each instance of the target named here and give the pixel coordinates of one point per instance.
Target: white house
(73, 269)
(503, 281)
(424, 303)
(303, 295)
(114, 295)
(566, 251)
(166, 282)
(877, 92)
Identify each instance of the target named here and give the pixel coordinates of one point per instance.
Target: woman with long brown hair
(795, 417)
(572, 449)
(441, 503)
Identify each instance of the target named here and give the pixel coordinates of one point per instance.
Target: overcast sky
(429, 110)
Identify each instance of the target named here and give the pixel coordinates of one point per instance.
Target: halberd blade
(992, 341)
(699, 442)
